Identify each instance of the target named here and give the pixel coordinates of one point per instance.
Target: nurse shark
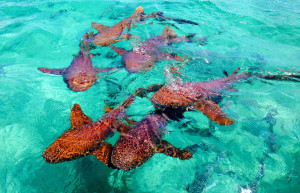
(142, 141)
(144, 57)
(135, 146)
(203, 95)
(81, 74)
(85, 136)
(108, 35)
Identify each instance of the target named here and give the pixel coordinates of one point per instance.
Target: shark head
(81, 82)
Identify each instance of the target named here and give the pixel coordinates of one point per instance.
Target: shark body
(81, 74)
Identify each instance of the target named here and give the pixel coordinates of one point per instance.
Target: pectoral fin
(105, 69)
(99, 27)
(78, 118)
(53, 71)
(213, 112)
(103, 153)
(168, 149)
(120, 51)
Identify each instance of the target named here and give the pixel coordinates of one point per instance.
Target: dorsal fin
(78, 118)
(120, 51)
(168, 33)
(99, 27)
(139, 9)
(108, 109)
(103, 153)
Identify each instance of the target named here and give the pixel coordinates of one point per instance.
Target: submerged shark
(203, 95)
(145, 56)
(135, 146)
(81, 74)
(138, 144)
(85, 136)
(109, 35)
(142, 141)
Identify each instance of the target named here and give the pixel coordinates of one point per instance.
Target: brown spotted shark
(81, 74)
(141, 142)
(135, 146)
(85, 136)
(138, 144)
(145, 56)
(109, 35)
(202, 95)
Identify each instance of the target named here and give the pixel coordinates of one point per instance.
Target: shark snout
(81, 83)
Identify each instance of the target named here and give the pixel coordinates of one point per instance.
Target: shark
(142, 141)
(136, 145)
(109, 35)
(81, 74)
(203, 95)
(144, 57)
(86, 136)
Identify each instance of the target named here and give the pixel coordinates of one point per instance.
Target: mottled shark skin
(109, 35)
(145, 56)
(86, 136)
(81, 74)
(203, 95)
(141, 142)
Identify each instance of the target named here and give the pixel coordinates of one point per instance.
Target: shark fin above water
(78, 118)
(139, 10)
(103, 153)
(99, 27)
(168, 33)
(60, 71)
(213, 112)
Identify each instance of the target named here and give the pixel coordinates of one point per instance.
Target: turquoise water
(261, 150)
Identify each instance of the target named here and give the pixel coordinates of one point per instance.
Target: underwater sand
(260, 152)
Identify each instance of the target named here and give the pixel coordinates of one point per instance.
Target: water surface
(261, 151)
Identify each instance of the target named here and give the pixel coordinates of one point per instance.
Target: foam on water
(260, 36)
